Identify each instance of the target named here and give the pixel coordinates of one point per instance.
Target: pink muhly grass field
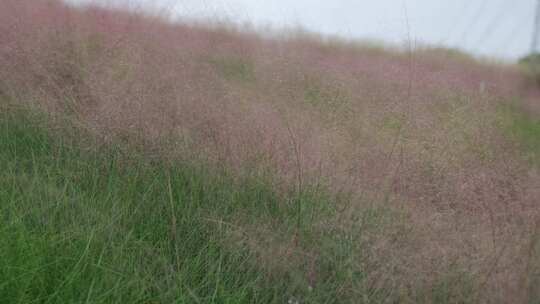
(417, 133)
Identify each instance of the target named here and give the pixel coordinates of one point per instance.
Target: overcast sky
(494, 28)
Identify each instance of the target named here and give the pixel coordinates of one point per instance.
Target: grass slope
(82, 226)
(188, 163)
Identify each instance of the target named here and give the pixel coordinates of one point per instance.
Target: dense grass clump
(89, 227)
(100, 226)
(524, 128)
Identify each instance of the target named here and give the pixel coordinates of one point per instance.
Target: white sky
(493, 28)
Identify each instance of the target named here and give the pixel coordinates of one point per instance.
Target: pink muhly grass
(311, 112)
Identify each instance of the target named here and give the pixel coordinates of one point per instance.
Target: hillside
(151, 162)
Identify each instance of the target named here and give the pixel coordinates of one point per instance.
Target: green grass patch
(85, 227)
(97, 226)
(323, 96)
(524, 128)
(234, 69)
